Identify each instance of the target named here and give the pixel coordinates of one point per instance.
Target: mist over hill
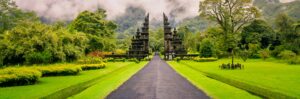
(129, 14)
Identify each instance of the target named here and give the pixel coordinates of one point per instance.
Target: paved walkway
(157, 80)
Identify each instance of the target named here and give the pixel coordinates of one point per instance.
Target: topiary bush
(59, 70)
(18, 76)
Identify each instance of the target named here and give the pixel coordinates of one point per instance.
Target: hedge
(18, 76)
(58, 70)
(198, 59)
(93, 66)
(90, 60)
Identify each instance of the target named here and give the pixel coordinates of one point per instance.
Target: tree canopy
(99, 30)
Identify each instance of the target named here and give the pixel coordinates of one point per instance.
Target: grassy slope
(48, 85)
(109, 83)
(213, 88)
(272, 75)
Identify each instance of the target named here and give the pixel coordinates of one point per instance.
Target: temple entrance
(173, 46)
(139, 48)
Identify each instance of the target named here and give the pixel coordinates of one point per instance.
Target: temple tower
(140, 42)
(168, 53)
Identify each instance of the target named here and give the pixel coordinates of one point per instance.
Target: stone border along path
(157, 80)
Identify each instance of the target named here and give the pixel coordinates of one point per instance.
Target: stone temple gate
(139, 48)
(172, 42)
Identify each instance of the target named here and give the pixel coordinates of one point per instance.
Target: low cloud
(54, 10)
(68, 9)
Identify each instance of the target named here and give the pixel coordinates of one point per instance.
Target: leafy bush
(244, 54)
(277, 50)
(295, 60)
(287, 54)
(18, 76)
(93, 66)
(38, 57)
(58, 70)
(265, 53)
(198, 59)
(253, 49)
(177, 59)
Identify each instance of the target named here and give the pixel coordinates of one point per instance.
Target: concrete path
(157, 80)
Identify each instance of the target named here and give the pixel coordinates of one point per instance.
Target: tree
(189, 38)
(231, 15)
(156, 39)
(35, 42)
(258, 32)
(206, 48)
(99, 30)
(288, 35)
(10, 15)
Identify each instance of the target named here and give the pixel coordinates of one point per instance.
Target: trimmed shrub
(198, 59)
(90, 60)
(18, 76)
(58, 70)
(93, 66)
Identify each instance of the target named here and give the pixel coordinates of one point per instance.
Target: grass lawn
(213, 88)
(271, 75)
(109, 83)
(50, 85)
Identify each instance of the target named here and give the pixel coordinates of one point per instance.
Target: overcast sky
(69, 9)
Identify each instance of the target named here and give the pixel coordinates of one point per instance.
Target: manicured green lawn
(270, 75)
(49, 85)
(109, 83)
(213, 88)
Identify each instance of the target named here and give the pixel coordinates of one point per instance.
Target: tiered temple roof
(173, 43)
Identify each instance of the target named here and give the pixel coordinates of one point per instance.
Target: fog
(54, 10)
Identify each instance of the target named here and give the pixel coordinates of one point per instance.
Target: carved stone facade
(140, 42)
(172, 42)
